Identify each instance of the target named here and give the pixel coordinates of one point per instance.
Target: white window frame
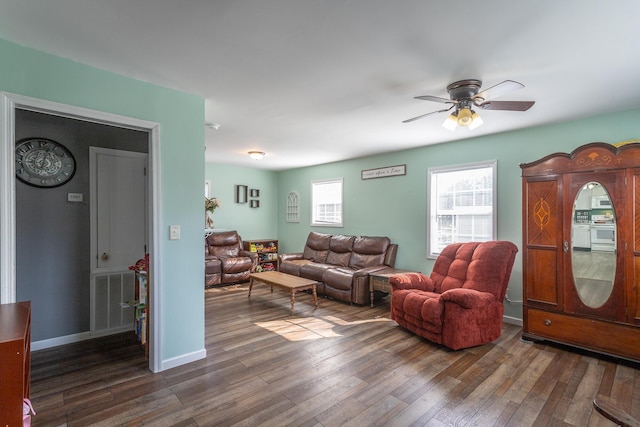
(433, 247)
(315, 220)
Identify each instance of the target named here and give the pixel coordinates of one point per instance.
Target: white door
(118, 234)
(120, 207)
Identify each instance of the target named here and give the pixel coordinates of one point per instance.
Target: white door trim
(8, 104)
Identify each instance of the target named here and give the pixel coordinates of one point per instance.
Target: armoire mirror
(593, 255)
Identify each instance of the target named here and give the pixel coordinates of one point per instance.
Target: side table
(379, 281)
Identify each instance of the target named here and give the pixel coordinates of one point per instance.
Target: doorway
(15, 104)
(118, 235)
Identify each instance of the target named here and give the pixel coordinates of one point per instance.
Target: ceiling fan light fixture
(465, 95)
(451, 122)
(465, 117)
(256, 155)
(476, 120)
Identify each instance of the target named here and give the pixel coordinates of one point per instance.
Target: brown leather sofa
(341, 264)
(225, 261)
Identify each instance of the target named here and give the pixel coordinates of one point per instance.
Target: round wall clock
(43, 163)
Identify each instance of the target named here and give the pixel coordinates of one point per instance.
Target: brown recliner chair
(225, 261)
(461, 304)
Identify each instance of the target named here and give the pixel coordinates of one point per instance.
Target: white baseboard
(183, 359)
(512, 320)
(69, 339)
(54, 342)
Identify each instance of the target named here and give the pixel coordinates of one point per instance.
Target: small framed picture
(254, 203)
(255, 192)
(241, 194)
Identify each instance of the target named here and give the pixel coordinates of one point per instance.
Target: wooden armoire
(586, 297)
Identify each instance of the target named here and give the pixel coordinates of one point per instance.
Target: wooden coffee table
(285, 281)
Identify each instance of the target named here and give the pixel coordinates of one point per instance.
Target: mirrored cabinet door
(594, 273)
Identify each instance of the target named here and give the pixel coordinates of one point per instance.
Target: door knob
(105, 256)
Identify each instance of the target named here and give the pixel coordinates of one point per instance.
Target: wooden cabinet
(15, 360)
(267, 250)
(586, 298)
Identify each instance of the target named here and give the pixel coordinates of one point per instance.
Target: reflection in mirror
(593, 243)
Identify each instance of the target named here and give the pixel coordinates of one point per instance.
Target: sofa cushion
(293, 266)
(338, 278)
(368, 251)
(224, 244)
(339, 259)
(424, 308)
(340, 250)
(341, 243)
(450, 269)
(212, 266)
(317, 247)
(236, 265)
(314, 270)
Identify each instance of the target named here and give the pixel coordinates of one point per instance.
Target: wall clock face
(43, 163)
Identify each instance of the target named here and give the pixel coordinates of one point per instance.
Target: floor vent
(110, 294)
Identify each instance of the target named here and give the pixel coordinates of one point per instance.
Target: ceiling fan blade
(498, 90)
(435, 99)
(506, 105)
(425, 115)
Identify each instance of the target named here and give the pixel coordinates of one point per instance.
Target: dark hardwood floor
(338, 365)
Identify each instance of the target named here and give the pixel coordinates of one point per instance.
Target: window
(326, 203)
(462, 205)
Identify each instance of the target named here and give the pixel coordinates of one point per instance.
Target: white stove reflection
(603, 233)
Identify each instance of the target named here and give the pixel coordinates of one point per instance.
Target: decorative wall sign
(293, 206)
(241, 193)
(254, 203)
(384, 172)
(255, 192)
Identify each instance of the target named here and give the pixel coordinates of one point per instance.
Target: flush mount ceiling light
(214, 126)
(256, 155)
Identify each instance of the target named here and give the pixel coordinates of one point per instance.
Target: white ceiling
(316, 81)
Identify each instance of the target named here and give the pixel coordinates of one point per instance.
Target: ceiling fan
(464, 96)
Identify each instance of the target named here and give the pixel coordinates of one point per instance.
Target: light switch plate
(174, 232)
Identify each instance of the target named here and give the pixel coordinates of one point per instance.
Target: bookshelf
(267, 250)
(142, 310)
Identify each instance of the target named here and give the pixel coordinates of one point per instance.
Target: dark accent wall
(52, 234)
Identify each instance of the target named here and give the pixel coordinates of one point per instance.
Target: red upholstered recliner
(461, 304)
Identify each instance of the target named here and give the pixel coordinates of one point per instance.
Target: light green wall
(251, 223)
(181, 116)
(397, 206)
